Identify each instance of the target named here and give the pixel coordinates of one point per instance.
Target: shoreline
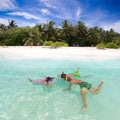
(61, 52)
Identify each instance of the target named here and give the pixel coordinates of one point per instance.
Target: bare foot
(29, 79)
(84, 108)
(77, 69)
(100, 85)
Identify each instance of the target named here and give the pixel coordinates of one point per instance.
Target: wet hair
(49, 79)
(63, 75)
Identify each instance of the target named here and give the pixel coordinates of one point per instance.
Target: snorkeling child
(83, 85)
(47, 81)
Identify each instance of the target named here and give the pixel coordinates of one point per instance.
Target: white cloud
(62, 9)
(19, 22)
(45, 11)
(101, 19)
(78, 13)
(3, 21)
(48, 4)
(7, 5)
(115, 26)
(60, 17)
(25, 15)
(104, 24)
(96, 18)
(25, 23)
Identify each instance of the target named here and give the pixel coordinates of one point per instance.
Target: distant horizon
(101, 13)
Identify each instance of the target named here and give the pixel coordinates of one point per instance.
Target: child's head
(49, 79)
(63, 75)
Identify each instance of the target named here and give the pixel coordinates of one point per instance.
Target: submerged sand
(62, 52)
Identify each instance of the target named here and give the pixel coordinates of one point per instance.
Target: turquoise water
(21, 100)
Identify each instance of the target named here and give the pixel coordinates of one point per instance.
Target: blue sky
(102, 13)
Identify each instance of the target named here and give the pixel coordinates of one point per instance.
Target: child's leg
(83, 93)
(96, 90)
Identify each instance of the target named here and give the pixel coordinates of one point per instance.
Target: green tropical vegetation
(48, 34)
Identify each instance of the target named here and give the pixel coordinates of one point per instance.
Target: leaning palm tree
(33, 39)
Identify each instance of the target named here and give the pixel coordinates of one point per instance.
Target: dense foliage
(66, 35)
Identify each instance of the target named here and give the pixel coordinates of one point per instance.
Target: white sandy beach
(62, 52)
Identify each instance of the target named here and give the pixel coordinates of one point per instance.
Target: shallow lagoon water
(21, 100)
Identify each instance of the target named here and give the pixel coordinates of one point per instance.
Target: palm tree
(34, 38)
(65, 28)
(50, 29)
(11, 24)
(57, 35)
(2, 27)
(94, 36)
(67, 33)
(81, 31)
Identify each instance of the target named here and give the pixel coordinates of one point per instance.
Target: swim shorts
(86, 85)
